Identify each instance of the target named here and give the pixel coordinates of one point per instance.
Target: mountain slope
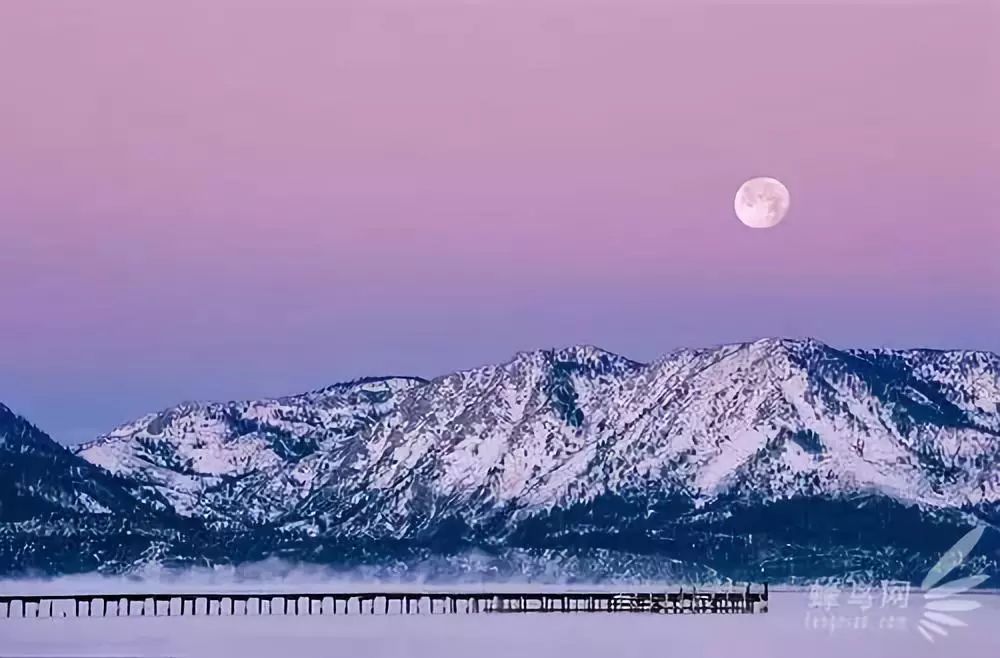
(764, 421)
(242, 462)
(772, 419)
(60, 512)
(788, 455)
(40, 477)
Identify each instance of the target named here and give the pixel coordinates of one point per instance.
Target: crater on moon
(762, 202)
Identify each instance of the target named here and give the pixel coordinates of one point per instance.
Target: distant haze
(241, 198)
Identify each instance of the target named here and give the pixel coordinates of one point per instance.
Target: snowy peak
(204, 457)
(17, 435)
(848, 421)
(40, 477)
(566, 451)
(371, 390)
(767, 420)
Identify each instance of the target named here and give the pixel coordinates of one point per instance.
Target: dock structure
(681, 601)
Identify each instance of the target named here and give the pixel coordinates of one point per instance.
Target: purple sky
(222, 199)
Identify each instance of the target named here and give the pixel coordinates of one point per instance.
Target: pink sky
(219, 199)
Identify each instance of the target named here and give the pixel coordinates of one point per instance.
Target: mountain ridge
(553, 382)
(573, 450)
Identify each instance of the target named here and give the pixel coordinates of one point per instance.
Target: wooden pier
(682, 601)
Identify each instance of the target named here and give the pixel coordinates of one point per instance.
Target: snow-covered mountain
(770, 419)
(244, 462)
(747, 456)
(60, 512)
(39, 477)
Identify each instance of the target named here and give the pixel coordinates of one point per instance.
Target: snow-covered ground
(791, 629)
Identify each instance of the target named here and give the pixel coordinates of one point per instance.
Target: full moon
(762, 202)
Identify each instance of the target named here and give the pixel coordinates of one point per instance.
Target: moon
(762, 202)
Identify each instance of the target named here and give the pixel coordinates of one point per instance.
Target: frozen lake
(794, 628)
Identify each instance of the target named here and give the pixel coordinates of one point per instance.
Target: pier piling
(695, 601)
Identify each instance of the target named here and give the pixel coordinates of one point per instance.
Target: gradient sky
(220, 199)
